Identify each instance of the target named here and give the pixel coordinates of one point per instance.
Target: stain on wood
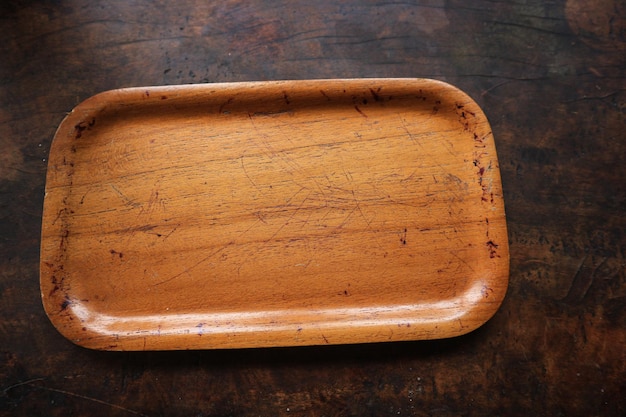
(550, 77)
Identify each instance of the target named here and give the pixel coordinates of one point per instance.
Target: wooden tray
(273, 214)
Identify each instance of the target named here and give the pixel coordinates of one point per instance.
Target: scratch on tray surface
(463, 261)
(194, 266)
(154, 202)
(124, 198)
(234, 241)
(245, 171)
(290, 217)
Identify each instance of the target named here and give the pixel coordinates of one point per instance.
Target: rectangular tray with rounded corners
(273, 214)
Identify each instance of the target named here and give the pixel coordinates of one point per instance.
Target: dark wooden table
(550, 76)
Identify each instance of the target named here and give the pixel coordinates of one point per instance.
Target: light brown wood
(273, 214)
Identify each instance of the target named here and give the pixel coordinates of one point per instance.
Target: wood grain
(273, 214)
(550, 77)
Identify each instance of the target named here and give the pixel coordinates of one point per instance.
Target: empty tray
(273, 214)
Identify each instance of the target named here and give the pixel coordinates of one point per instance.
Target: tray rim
(70, 128)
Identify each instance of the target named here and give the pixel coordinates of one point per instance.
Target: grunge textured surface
(548, 75)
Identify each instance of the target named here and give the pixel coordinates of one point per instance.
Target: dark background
(550, 75)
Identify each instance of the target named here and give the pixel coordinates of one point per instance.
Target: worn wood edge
(78, 120)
